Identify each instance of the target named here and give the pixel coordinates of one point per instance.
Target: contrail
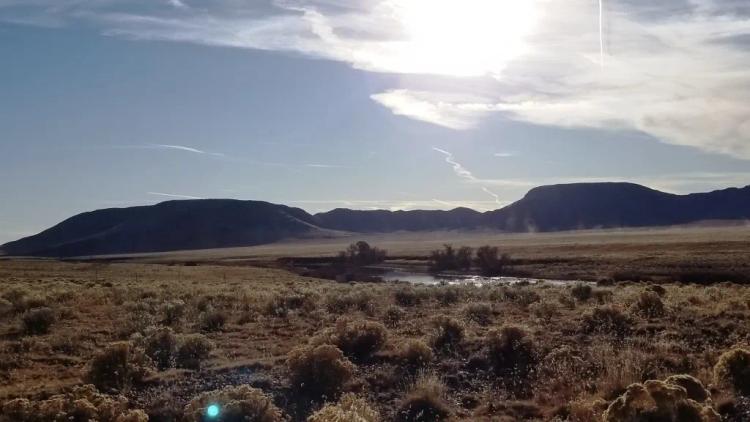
(601, 33)
(464, 173)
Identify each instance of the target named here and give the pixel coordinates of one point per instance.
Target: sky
(388, 104)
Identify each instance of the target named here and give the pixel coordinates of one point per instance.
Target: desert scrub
(358, 339)
(192, 350)
(480, 313)
(447, 295)
(240, 403)
(83, 403)
(161, 345)
(415, 354)
(581, 292)
(663, 401)
(733, 370)
(544, 310)
(350, 408)
(648, 305)
(393, 316)
(140, 316)
(118, 367)
(38, 321)
(424, 402)
(172, 312)
(448, 333)
(607, 320)
(511, 352)
(320, 371)
(212, 319)
(407, 296)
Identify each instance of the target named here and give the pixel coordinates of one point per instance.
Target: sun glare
(464, 37)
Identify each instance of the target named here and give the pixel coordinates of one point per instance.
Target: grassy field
(164, 342)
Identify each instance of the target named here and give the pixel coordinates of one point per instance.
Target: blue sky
(363, 104)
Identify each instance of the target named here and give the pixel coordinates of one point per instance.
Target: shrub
(6, 307)
(481, 313)
(192, 351)
(118, 367)
(319, 371)
(448, 333)
(490, 262)
(160, 346)
(361, 253)
(172, 312)
(415, 354)
(607, 320)
(658, 289)
(649, 305)
(449, 259)
(660, 401)
(544, 310)
(357, 339)
(511, 352)
(447, 295)
(393, 316)
(733, 369)
(38, 321)
(350, 408)
(239, 403)
(212, 319)
(581, 291)
(139, 317)
(83, 403)
(407, 296)
(424, 403)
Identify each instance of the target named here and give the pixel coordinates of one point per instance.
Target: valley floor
(463, 353)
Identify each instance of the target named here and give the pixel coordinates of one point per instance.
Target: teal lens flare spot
(212, 411)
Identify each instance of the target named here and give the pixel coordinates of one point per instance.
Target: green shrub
(83, 403)
(490, 262)
(350, 408)
(38, 321)
(660, 401)
(193, 349)
(320, 371)
(118, 367)
(733, 369)
(239, 403)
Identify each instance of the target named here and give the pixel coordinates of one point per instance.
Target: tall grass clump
(319, 371)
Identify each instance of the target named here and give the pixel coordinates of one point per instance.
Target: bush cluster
(320, 371)
(607, 320)
(733, 370)
(415, 354)
(448, 333)
(350, 408)
(677, 399)
(239, 403)
(424, 402)
(649, 305)
(511, 352)
(118, 367)
(38, 321)
(358, 339)
(83, 403)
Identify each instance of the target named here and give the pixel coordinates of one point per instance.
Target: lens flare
(212, 411)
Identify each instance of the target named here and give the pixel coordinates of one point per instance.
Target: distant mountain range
(217, 223)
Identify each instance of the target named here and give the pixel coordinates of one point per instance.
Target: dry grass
(161, 335)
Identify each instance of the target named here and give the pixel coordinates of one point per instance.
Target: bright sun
(463, 37)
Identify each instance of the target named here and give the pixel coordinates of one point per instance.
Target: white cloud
(174, 195)
(677, 70)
